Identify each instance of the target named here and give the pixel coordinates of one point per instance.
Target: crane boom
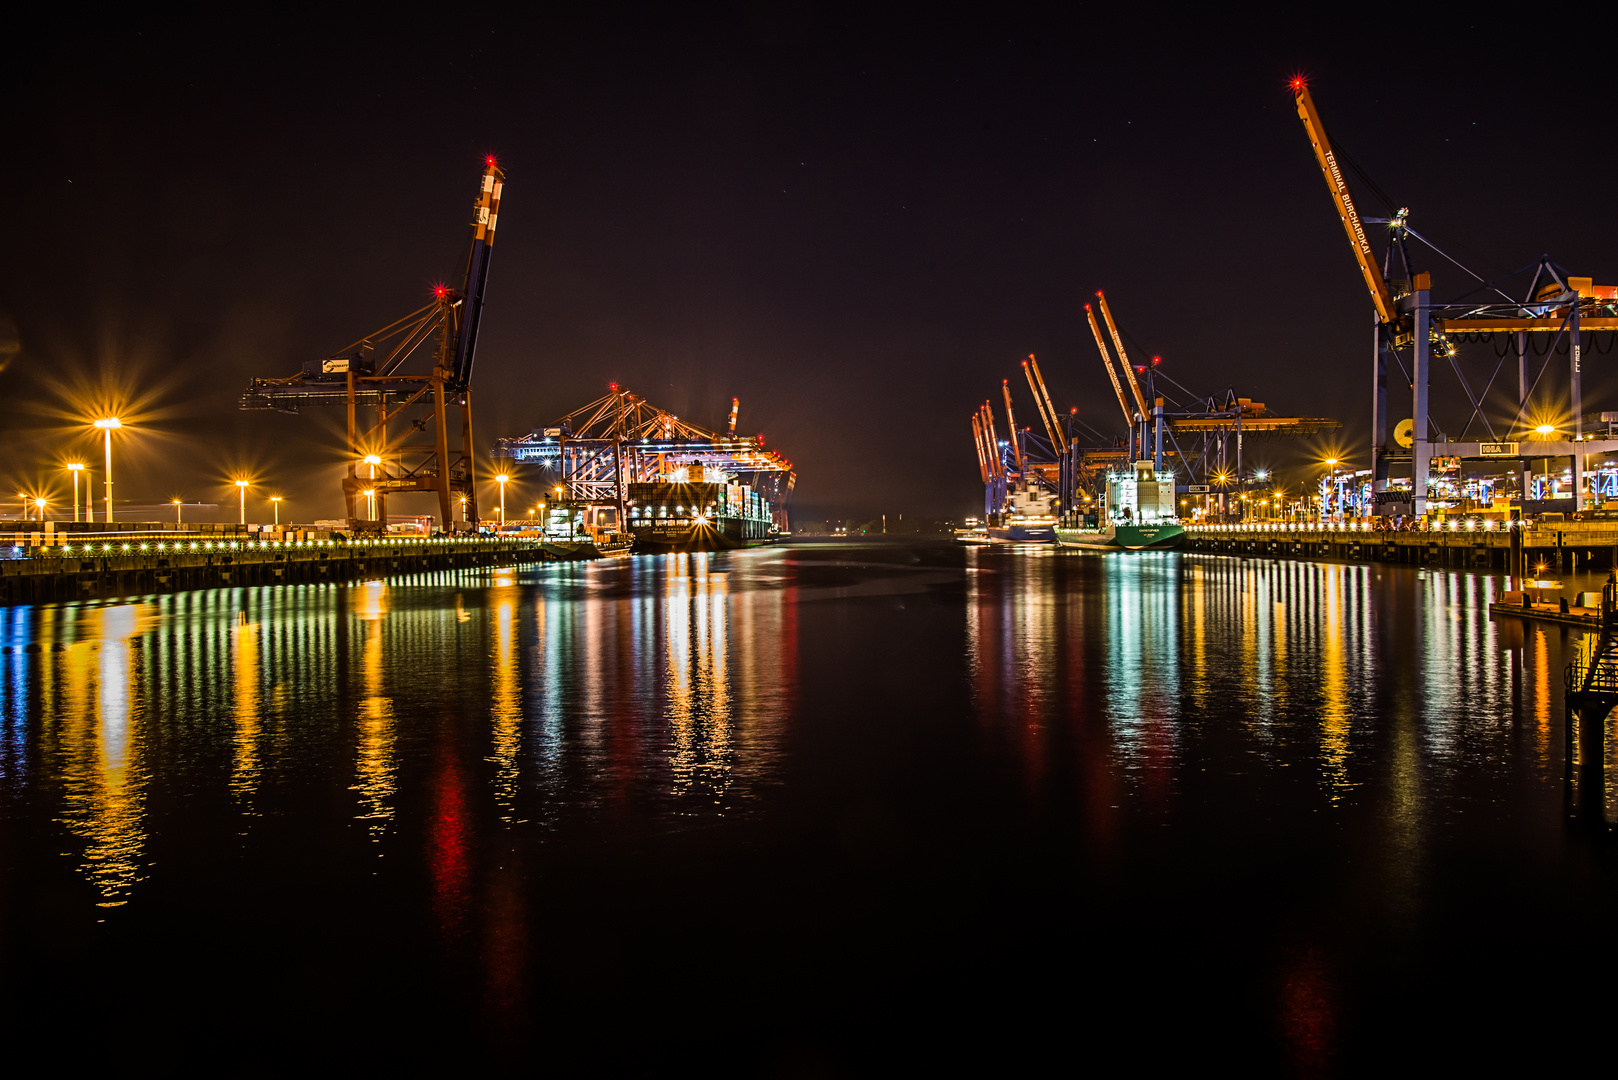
(1374, 281)
(977, 441)
(998, 462)
(1042, 398)
(1106, 361)
(1123, 357)
(735, 407)
(1011, 422)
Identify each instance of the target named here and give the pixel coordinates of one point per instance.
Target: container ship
(1029, 516)
(1136, 514)
(707, 515)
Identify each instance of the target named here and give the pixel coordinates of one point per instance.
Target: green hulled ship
(1136, 514)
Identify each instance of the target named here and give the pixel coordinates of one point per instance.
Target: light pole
(501, 480)
(108, 425)
(241, 488)
(275, 501)
(75, 468)
(370, 503)
(463, 506)
(373, 461)
(39, 507)
(177, 505)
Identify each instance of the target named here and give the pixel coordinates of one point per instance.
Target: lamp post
(275, 502)
(370, 503)
(177, 505)
(39, 508)
(108, 425)
(501, 480)
(75, 468)
(1331, 469)
(241, 489)
(373, 460)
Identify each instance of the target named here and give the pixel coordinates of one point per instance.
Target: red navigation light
(1086, 307)
(1297, 82)
(1074, 410)
(440, 291)
(614, 387)
(1140, 369)
(1157, 359)
(1031, 357)
(489, 160)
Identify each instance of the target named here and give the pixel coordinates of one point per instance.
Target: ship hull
(1123, 538)
(663, 538)
(1023, 534)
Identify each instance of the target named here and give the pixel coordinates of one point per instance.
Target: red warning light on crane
(489, 160)
(1157, 359)
(1297, 82)
(440, 291)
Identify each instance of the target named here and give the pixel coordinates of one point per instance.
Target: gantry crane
(1555, 303)
(408, 447)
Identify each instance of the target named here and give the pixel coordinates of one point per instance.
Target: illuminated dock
(1558, 545)
(41, 567)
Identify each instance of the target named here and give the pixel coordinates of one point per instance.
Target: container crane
(369, 374)
(735, 407)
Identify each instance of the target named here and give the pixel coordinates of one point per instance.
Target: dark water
(812, 810)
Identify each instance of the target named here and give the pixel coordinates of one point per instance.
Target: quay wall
(117, 567)
(1562, 546)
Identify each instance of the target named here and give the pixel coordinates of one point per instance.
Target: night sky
(857, 222)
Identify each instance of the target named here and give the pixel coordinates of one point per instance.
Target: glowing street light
(370, 503)
(108, 424)
(75, 468)
(241, 488)
(177, 505)
(275, 501)
(39, 508)
(501, 480)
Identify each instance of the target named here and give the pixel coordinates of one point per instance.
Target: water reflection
(375, 720)
(1376, 674)
(98, 714)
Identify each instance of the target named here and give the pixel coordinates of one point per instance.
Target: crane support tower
(408, 446)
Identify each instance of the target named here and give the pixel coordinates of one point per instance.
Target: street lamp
(39, 507)
(241, 488)
(275, 501)
(501, 480)
(177, 505)
(1331, 468)
(108, 425)
(75, 468)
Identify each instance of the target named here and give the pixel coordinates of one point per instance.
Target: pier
(1561, 546)
(42, 567)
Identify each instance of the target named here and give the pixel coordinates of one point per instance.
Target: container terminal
(1502, 490)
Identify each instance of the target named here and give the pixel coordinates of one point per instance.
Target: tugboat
(1136, 514)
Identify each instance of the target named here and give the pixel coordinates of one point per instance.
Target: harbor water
(812, 809)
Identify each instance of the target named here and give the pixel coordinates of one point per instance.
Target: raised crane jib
(1123, 357)
(1112, 373)
(1011, 422)
(1042, 398)
(1335, 182)
(485, 216)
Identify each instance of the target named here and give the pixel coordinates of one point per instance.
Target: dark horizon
(856, 224)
